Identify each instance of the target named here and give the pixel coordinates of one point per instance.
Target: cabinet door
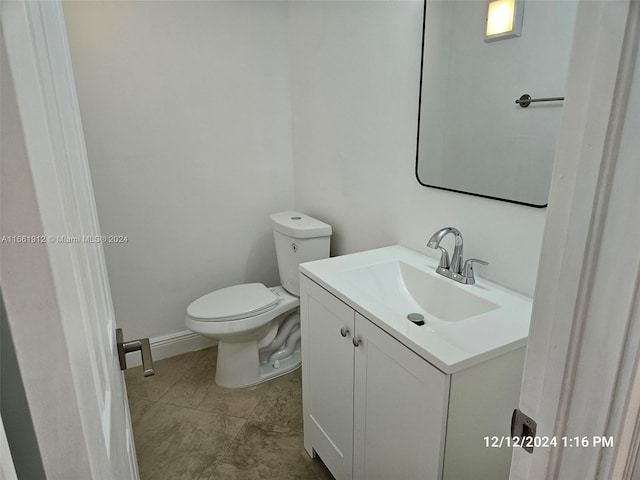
(327, 377)
(400, 410)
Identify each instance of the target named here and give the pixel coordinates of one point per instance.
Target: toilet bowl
(258, 328)
(245, 320)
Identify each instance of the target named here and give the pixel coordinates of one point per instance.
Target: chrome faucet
(454, 269)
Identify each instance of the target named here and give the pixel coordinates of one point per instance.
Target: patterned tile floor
(188, 428)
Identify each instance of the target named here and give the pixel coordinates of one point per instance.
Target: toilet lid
(230, 303)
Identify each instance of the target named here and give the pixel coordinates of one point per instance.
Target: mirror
(472, 136)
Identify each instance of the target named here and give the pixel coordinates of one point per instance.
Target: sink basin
(464, 324)
(406, 289)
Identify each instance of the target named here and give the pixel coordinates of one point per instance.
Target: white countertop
(451, 346)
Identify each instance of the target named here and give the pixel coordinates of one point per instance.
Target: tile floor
(188, 428)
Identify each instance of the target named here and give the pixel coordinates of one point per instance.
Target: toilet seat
(232, 303)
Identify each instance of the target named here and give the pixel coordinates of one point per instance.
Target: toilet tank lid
(298, 225)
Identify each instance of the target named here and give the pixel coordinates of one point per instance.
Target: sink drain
(416, 318)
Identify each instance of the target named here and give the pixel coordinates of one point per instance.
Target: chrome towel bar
(525, 100)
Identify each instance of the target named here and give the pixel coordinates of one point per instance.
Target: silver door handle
(142, 345)
(356, 341)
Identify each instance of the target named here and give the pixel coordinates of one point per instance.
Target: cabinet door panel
(327, 377)
(400, 410)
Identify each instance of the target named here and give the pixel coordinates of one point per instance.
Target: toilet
(258, 327)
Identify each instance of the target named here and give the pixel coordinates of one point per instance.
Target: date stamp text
(549, 442)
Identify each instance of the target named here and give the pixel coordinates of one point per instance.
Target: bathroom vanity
(386, 398)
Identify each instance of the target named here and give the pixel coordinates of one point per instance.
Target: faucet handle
(467, 271)
(444, 259)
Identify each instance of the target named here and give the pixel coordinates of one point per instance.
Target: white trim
(173, 344)
(622, 461)
(600, 266)
(625, 414)
(582, 354)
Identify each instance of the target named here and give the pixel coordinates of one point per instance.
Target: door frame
(583, 352)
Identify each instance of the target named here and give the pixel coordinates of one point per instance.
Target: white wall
(186, 113)
(194, 112)
(355, 83)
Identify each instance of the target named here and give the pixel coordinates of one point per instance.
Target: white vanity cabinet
(374, 409)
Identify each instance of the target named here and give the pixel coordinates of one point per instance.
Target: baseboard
(173, 344)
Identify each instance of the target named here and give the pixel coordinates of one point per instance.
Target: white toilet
(258, 328)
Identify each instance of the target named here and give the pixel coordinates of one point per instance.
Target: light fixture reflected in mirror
(504, 19)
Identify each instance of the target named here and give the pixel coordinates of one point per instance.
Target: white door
(581, 373)
(52, 270)
(398, 396)
(327, 377)
(7, 470)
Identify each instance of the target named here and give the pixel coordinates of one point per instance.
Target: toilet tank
(299, 238)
